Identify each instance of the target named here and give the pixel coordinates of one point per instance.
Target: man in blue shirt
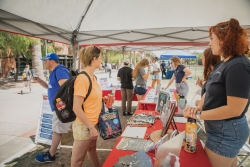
(59, 74)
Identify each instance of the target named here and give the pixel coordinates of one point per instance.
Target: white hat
(127, 61)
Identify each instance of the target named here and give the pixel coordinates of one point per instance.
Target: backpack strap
(90, 84)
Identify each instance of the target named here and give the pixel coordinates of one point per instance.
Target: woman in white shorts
(156, 72)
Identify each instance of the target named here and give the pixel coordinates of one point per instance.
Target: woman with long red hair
(226, 100)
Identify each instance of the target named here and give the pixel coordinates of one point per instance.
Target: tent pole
(195, 67)
(79, 61)
(74, 41)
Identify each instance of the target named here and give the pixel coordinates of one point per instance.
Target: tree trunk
(134, 59)
(17, 67)
(37, 63)
(106, 57)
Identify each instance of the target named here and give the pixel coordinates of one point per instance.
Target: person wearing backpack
(26, 76)
(85, 125)
(59, 74)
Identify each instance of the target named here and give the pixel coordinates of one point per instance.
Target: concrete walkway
(19, 115)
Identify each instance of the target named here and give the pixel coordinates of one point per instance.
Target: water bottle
(181, 104)
(190, 136)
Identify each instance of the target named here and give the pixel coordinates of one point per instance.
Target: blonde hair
(176, 60)
(88, 53)
(144, 62)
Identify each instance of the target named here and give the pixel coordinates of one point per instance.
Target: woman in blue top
(226, 100)
(180, 75)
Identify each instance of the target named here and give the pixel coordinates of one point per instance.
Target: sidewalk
(18, 121)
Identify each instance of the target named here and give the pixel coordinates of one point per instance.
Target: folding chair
(198, 92)
(245, 150)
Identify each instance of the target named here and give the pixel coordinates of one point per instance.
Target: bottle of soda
(60, 105)
(190, 136)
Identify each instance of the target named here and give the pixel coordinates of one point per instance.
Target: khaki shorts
(58, 126)
(80, 131)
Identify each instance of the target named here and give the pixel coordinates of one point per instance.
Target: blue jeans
(226, 137)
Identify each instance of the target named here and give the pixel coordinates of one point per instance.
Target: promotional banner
(44, 128)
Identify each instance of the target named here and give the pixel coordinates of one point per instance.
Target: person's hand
(105, 98)
(190, 112)
(164, 88)
(184, 80)
(93, 133)
(199, 82)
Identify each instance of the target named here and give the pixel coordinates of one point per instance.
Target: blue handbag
(109, 123)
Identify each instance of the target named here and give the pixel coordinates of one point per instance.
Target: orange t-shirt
(92, 106)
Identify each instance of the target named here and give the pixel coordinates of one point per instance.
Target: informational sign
(103, 82)
(44, 128)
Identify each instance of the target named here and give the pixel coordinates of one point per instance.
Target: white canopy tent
(122, 24)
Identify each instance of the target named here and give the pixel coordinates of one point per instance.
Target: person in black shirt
(163, 69)
(180, 75)
(125, 76)
(226, 100)
(208, 61)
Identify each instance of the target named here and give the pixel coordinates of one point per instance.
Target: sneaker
(131, 113)
(45, 157)
(127, 113)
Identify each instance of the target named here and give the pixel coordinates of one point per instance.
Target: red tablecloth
(105, 92)
(197, 159)
(143, 105)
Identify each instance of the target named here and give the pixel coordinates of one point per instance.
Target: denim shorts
(140, 90)
(226, 137)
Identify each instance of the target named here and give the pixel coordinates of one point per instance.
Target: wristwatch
(197, 115)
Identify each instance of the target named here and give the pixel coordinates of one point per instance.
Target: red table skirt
(117, 94)
(151, 105)
(199, 158)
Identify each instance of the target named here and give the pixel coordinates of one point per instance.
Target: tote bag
(109, 123)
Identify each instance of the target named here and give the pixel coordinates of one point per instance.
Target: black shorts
(140, 90)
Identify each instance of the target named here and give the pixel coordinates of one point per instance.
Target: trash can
(169, 74)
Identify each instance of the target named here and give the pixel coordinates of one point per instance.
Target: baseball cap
(50, 56)
(127, 61)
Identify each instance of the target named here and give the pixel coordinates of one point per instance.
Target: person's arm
(191, 111)
(145, 77)
(118, 76)
(42, 83)
(199, 82)
(170, 82)
(61, 81)
(234, 108)
(77, 108)
(187, 73)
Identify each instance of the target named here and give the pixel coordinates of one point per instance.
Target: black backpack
(64, 109)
